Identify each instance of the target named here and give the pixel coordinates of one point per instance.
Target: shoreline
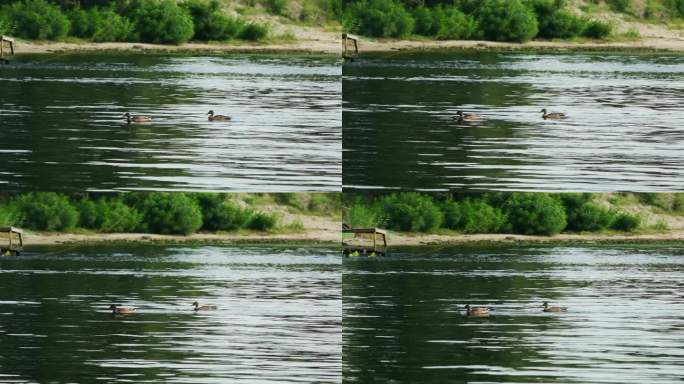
(648, 44)
(321, 47)
(307, 238)
(413, 239)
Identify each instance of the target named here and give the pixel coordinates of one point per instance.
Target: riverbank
(312, 237)
(669, 44)
(415, 239)
(308, 40)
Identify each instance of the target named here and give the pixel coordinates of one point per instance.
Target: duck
(213, 117)
(476, 311)
(467, 116)
(122, 310)
(136, 119)
(548, 308)
(552, 115)
(205, 307)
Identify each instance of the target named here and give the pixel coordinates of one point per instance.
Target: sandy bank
(652, 44)
(324, 45)
(403, 239)
(312, 237)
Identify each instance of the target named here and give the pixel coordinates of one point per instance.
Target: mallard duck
(136, 119)
(467, 116)
(476, 311)
(552, 115)
(213, 117)
(547, 308)
(123, 310)
(205, 307)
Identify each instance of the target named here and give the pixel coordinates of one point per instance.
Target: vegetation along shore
(190, 25)
(533, 24)
(53, 218)
(419, 218)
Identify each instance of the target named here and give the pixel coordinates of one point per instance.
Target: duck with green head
(213, 117)
(205, 307)
(548, 308)
(461, 117)
(552, 115)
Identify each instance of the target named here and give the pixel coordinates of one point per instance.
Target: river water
(62, 125)
(623, 130)
(278, 317)
(404, 320)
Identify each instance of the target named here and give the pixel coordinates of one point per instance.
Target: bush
(411, 211)
(169, 213)
(379, 18)
(626, 222)
(219, 214)
(277, 7)
(598, 29)
(253, 32)
(160, 21)
(5, 26)
(534, 214)
(362, 214)
(590, 217)
(37, 19)
(473, 216)
(46, 211)
(556, 22)
(663, 201)
(261, 221)
(444, 23)
(100, 24)
(108, 216)
(507, 20)
(210, 23)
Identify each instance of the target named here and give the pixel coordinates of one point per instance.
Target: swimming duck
(547, 308)
(136, 119)
(467, 116)
(205, 307)
(476, 311)
(552, 115)
(213, 117)
(123, 310)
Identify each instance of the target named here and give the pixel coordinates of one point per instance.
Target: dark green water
(62, 125)
(278, 317)
(403, 321)
(623, 130)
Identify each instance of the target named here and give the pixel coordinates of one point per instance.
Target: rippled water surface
(278, 317)
(61, 124)
(403, 318)
(623, 130)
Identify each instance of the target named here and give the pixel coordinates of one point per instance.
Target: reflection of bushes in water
(155, 212)
(498, 20)
(152, 21)
(514, 212)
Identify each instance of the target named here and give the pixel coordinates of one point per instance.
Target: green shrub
(261, 221)
(556, 22)
(473, 216)
(590, 217)
(160, 21)
(309, 12)
(534, 214)
(626, 222)
(598, 29)
(624, 6)
(169, 213)
(664, 201)
(277, 7)
(107, 215)
(678, 203)
(5, 25)
(37, 19)
(210, 23)
(46, 211)
(221, 215)
(378, 18)
(507, 20)
(411, 211)
(100, 24)
(254, 32)
(362, 214)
